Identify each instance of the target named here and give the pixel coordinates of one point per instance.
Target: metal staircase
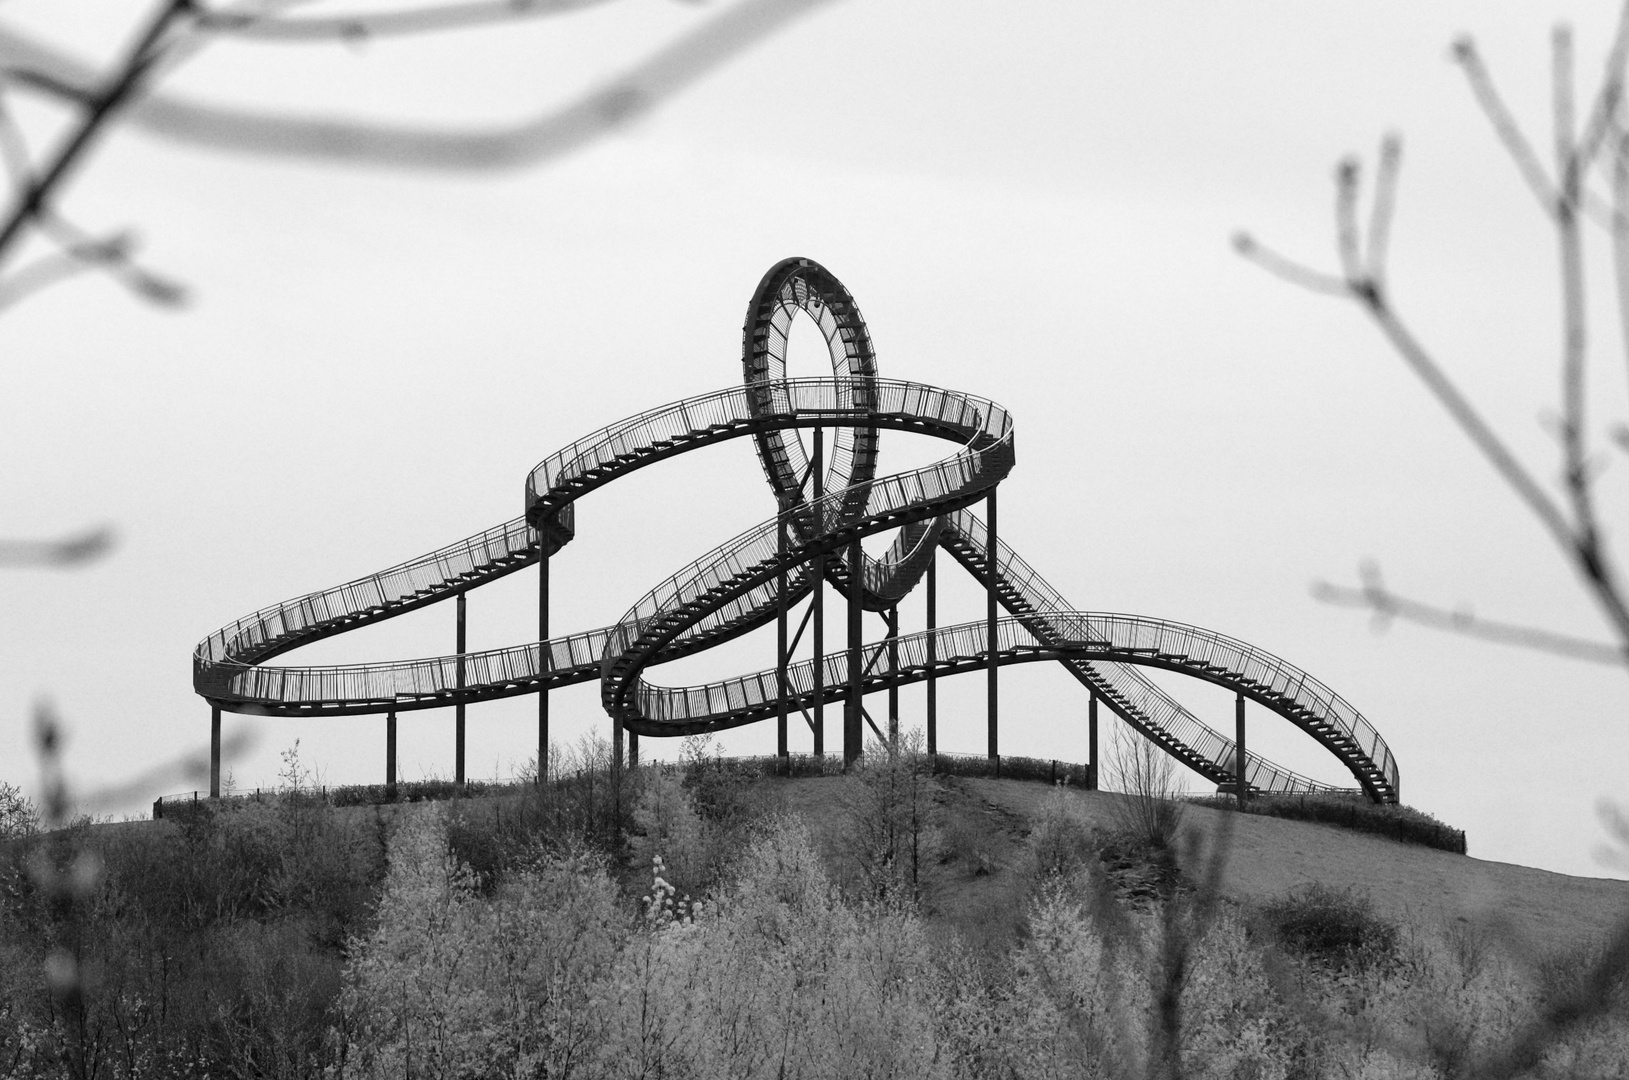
(736, 588)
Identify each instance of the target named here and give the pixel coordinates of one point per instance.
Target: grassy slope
(1268, 857)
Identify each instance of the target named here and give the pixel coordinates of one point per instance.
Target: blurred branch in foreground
(1568, 512)
(549, 135)
(1373, 595)
(1571, 515)
(67, 553)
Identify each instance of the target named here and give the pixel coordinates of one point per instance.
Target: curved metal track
(735, 588)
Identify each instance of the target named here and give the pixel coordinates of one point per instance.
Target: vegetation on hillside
(1401, 823)
(701, 923)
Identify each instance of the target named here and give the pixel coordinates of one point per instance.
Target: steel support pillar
(545, 658)
(390, 754)
(1240, 758)
(892, 615)
(817, 472)
(458, 710)
(853, 732)
(933, 652)
(214, 751)
(780, 637)
(1091, 743)
(991, 575)
(633, 749)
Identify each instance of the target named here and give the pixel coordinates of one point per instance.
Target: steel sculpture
(824, 509)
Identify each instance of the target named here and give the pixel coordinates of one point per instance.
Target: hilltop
(713, 921)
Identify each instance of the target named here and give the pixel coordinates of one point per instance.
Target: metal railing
(735, 587)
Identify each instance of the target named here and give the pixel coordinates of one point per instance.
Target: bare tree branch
(14, 154)
(35, 196)
(1373, 596)
(68, 552)
(1291, 271)
(1504, 124)
(1620, 232)
(423, 20)
(550, 135)
(1385, 205)
(82, 252)
(1348, 179)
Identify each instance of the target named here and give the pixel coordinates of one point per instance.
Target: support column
(933, 652)
(390, 755)
(214, 751)
(458, 709)
(893, 670)
(1091, 743)
(633, 749)
(780, 637)
(817, 471)
(1239, 756)
(990, 572)
(545, 658)
(853, 725)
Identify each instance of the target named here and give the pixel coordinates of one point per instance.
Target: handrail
(734, 588)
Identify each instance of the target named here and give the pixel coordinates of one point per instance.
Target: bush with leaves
(780, 978)
(19, 817)
(1335, 927)
(451, 984)
(891, 820)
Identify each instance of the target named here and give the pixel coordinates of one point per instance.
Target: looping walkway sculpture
(824, 509)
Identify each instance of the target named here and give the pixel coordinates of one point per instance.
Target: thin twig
(1385, 206)
(111, 255)
(1348, 178)
(1373, 596)
(115, 255)
(1604, 112)
(1504, 124)
(1291, 271)
(39, 275)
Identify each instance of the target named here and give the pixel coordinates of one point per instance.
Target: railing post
(545, 657)
(933, 652)
(214, 751)
(780, 633)
(893, 673)
(853, 738)
(818, 474)
(1091, 743)
(458, 709)
(1239, 756)
(390, 755)
(991, 574)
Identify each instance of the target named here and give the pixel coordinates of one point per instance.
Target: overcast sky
(1031, 201)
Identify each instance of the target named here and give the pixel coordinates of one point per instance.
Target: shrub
(1150, 808)
(1355, 812)
(450, 984)
(1061, 842)
(890, 818)
(1336, 927)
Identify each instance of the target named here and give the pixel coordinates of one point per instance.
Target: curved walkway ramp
(824, 509)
